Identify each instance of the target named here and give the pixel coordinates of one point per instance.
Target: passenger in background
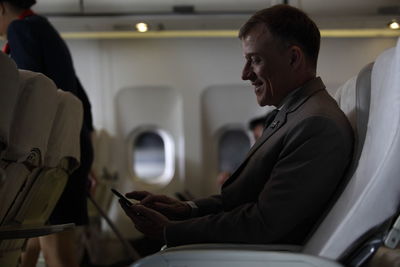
(284, 185)
(35, 45)
(256, 126)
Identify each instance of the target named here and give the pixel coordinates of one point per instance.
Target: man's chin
(261, 103)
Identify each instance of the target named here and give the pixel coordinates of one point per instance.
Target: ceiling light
(142, 27)
(394, 25)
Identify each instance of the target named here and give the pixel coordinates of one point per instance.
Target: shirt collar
(26, 13)
(286, 99)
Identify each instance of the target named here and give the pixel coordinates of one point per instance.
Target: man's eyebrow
(251, 54)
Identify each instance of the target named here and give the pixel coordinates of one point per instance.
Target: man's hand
(150, 222)
(172, 208)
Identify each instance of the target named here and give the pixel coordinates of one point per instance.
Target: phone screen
(122, 197)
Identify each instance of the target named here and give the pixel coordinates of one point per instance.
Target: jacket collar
(292, 104)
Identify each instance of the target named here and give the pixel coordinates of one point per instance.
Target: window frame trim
(169, 152)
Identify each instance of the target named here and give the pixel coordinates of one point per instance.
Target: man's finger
(133, 213)
(161, 206)
(147, 212)
(138, 195)
(155, 198)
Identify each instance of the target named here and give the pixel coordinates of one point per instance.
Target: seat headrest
(33, 116)
(345, 96)
(373, 193)
(363, 100)
(9, 90)
(64, 141)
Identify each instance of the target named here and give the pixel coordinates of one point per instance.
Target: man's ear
(296, 56)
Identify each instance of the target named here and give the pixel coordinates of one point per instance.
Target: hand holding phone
(122, 197)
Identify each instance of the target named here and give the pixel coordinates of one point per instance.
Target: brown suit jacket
(283, 186)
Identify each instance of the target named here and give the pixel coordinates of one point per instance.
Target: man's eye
(255, 60)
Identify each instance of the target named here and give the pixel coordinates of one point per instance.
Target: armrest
(227, 246)
(235, 257)
(28, 231)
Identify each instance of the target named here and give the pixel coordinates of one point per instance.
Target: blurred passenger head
(20, 4)
(256, 126)
(281, 46)
(10, 10)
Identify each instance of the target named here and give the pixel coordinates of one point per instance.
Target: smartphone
(122, 197)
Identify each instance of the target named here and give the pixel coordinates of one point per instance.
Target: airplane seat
(102, 167)
(22, 159)
(61, 159)
(345, 96)
(97, 240)
(353, 98)
(372, 195)
(54, 118)
(369, 199)
(8, 97)
(65, 152)
(33, 118)
(30, 128)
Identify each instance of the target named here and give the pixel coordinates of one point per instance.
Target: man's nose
(246, 72)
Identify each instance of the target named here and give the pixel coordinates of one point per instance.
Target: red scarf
(24, 14)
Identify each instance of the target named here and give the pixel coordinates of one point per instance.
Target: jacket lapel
(291, 105)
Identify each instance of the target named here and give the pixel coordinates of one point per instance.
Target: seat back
(372, 195)
(103, 169)
(345, 96)
(61, 159)
(64, 140)
(8, 96)
(33, 118)
(28, 136)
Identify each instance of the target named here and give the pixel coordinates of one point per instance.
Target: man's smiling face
(267, 65)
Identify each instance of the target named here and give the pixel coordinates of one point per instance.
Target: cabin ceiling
(117, 15)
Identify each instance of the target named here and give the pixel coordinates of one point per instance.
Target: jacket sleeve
(313, 160)
(208, 205)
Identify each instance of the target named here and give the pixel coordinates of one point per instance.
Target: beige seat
(98, 241)
(42, 152)
(9, 77)
(28, 136)
(22, 159)
(9, 89)
(106, 178)
(61, 159)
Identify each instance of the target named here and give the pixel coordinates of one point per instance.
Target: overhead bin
(231, 5)
(57, 6)
(168, 6)
(128, 6)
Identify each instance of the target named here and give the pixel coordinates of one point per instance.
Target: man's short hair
(290, 25)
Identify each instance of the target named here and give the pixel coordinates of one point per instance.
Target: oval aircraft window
(149, 156)
(233, 146)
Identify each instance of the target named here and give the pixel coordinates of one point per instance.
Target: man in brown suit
(283, 186)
